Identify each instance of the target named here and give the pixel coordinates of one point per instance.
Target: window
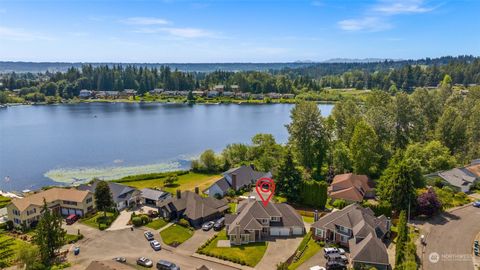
(276, 219)
(69, 202)
(343, 238)
(33, 211)
(16, 212)
(245, 237)
(16, 220)
(89, 200)
(344, 230)
(320, 233)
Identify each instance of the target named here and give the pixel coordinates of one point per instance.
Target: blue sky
(235, 31)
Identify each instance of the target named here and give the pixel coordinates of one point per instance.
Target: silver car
(155, 245)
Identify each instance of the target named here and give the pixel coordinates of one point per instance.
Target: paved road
(451, 237)
(278, 250)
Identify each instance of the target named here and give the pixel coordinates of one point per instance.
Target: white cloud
(187, 32)
(145, 21)
(372, 24)
(19, 34)
(402, 7)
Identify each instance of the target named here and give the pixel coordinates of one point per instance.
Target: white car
(341, 251)
(327, 251)
(155, 245)
(317, 267)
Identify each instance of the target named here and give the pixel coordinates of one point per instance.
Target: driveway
(121, 221)
(106, 245)
(199, 238)
(278, 250)
(316, 259)
(450, 238)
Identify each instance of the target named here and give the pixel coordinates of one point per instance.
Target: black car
(219, 224)
(166, 265)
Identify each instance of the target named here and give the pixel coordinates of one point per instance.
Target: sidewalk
(120, 223)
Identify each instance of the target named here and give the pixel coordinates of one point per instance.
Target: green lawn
(157, 223)
(72, 238)
(8, 249)
(176, 234)
(97, 220)
(311, 248)
(4, 201)
(185, 182)
(308, 219)
(249, 254)
(233, 207)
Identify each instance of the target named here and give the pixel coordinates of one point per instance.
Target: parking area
(278, 250)
(106, 245)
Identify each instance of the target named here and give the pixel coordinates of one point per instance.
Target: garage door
(79, 213)
(279, 231)
(71, 211)
(64, 212)
(297, 231)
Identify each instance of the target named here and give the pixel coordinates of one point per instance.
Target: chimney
(197, 190)
(234, 181)
(252, 166)
(315, 216)
(179, 194)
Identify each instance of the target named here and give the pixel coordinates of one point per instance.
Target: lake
(51, 144)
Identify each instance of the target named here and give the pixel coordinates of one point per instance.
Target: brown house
(351, 187)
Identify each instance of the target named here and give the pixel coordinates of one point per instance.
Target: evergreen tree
(364, 150)
(289, 178)
(49, 234)
(103, 197)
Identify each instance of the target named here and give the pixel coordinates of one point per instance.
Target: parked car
(145, 262)
(155, 245)
(166, 265)
(331, 265)
(341, 251)
(476, 204)
(337, 257)
(120, 259)
(148, 236)
(208, 225)
(71, 219)
(327, 251)
(317, 267)
(219, 224)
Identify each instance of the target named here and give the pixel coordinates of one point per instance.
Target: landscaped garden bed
(99, 221)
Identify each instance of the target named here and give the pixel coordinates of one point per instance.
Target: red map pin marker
(265, 188)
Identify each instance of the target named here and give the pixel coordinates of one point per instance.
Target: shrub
(339, 203)
(145, 219)
(137, 221)
(102, 226)
(183, 222)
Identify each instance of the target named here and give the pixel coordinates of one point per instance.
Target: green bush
(183, 222)
(339, 203)
(137, 221)
(314, 193)
(145, 219)
(102, 226)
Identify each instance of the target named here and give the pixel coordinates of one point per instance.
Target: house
(257, 96)
(193, 207)
(358, 229)
(153, 197)
(255, 222)
(241, 95)
(228, 94)
(219, 88)
(111, 94)
(127, 93)
(123, 196)
(351, 187)
(26, 211)
(169, 93)
(288, 96)
(182, 93)
(100, 94)
(198, 93)
(463, 178)
(85, 94)
(274, 95)
(235, 88)
(236, 179)
(212, 93)
(156, 91)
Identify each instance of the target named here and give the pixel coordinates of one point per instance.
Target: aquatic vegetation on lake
(81, 175)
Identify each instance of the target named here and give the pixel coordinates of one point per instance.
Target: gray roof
(119, 192)
(369, 250)
(360, 220)
(153, 194)
(194, 205)
(246, 175)
(249, 211)
(459, 177)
